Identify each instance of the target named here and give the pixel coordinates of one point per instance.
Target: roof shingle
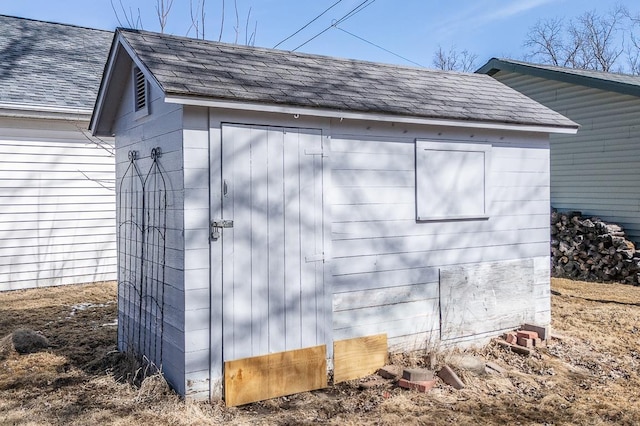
(198, 68)
(51, 65)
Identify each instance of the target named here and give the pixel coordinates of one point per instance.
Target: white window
(452, 180)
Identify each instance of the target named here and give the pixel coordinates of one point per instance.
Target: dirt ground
(589, 376)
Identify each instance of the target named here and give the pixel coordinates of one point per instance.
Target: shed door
(273, 287)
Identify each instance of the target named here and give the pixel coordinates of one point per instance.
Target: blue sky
(412, 29)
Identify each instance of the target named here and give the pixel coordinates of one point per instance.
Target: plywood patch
(359, 357)
(482, 298)
(269, 376)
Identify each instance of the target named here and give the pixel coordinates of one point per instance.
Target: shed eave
(495, 65)
(351, 115)
(44, 111)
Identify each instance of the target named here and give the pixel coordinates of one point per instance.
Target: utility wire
(378, 46)
(351, 13)
(309, 23)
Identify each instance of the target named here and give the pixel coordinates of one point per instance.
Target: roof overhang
(14, 110)
(122, 54)
(351, 115)
(494, 65)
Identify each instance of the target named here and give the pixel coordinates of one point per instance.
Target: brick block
(523, 341)
(417, 374)
(450, 377)
(527, 334)
(511, 337)
(391, 372)
(543, 332)
(421, 386)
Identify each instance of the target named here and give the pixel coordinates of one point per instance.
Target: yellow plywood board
(359, 357)
(269, 376)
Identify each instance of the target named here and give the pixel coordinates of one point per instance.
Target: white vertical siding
(57, 205)
(196, 246)
(597, 170)
(161, 128)
(386, 265)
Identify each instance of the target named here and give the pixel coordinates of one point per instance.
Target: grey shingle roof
(616, 82)
(53, 65)
(190, 67)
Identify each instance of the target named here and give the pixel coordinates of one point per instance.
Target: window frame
(421, 147)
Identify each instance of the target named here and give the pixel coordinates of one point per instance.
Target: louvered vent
(140, 90)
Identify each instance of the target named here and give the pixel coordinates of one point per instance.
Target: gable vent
(140, 90)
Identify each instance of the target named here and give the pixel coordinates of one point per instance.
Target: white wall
(383, 269)
(197, 258)
(165, 324)
(597, 170)
(387, 267)
(57, 205)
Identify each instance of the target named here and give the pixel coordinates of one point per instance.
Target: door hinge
(217, 225)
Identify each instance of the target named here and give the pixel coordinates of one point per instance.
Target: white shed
(57, 200)
(274, 204)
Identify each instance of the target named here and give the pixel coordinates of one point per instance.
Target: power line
(378, 46)
(359, 8)
(309, 23)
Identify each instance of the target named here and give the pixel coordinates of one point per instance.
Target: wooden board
(269, 376)
(481, 298)
(359, 357)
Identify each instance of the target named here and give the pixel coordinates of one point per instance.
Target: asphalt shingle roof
(198, 68)
(52, 65)
(617, 82)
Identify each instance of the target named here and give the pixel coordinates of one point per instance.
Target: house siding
(161, 128)
(57, 195)
(383, 269)
(595, 171)
(387, 267)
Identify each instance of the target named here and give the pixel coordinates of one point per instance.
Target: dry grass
(589, 377)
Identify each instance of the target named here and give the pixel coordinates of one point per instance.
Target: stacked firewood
(591, 249)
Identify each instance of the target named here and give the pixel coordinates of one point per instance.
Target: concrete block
(417, 374)
(420, 386)
(467, 362)
(450, 377)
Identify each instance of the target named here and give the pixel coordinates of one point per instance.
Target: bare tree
(197, 18)
(163, 8)
(221, 22)
(590, 41)
(453, 60)
(127, 19)
(633, 47)
(599, 33)
(547, 43)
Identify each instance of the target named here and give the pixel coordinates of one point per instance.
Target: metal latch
(217, 225)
